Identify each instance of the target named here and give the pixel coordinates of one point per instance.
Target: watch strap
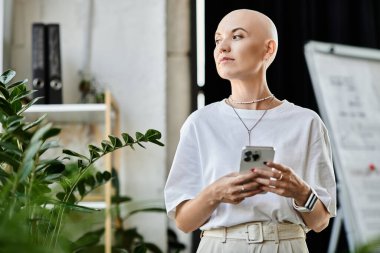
(309, 205)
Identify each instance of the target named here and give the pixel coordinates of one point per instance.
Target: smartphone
(255, 156)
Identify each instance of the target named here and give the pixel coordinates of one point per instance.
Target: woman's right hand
(233, 188)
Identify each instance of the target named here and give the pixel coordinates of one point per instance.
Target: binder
(39, 62)
(54, 73)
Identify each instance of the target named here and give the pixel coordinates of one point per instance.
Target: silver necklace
(249, 130)
(249, 102)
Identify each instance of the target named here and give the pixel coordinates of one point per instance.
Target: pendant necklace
(249, 130)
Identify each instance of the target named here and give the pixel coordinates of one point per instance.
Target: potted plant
(32, 216)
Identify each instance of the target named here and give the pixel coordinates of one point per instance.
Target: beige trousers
(255, 237)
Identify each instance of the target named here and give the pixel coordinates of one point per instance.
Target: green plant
(128, 239)
(369, 247)
(31, 214)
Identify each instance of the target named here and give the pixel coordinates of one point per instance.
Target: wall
(128, 56)
(178, 74)
(5, 32)
(1, 34)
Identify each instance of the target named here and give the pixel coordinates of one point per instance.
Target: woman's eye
(235, 37)
(217, 41)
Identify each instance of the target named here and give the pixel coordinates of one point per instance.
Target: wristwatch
(309, 205)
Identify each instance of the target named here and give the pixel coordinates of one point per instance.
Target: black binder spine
(54, 74)
(39, 62)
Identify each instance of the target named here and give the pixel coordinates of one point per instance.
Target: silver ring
(242, 188)
(279, 179)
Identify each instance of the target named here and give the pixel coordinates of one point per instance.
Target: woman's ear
(271, 48)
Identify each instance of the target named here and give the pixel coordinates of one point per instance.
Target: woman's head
(245, 44)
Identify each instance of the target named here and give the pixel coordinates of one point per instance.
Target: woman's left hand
(282, 180)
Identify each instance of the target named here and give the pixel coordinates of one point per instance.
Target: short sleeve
(321, 175)
(185, 177)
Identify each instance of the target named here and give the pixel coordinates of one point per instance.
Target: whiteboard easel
(346, 81)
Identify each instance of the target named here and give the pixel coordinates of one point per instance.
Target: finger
(267, 172)
(253, 186)
(263, 181)
(278, 191)
(246, 177)
(252, 193)
(271, 175)
(233, 174)
(277, 166)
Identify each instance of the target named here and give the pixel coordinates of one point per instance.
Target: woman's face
(239, 47)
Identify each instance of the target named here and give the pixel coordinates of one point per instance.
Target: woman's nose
(223, 46)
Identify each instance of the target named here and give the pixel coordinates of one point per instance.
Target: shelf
(94, 204)
(66, 113)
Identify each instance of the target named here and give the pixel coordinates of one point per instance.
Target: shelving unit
(107, 113)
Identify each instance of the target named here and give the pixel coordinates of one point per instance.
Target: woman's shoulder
(212, 109)
(204, 114)
(305, 118)
(300, 112)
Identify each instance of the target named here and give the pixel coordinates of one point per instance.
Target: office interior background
(145, 52)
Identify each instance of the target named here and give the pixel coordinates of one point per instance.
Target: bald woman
(267, 209)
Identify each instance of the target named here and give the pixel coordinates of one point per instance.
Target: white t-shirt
(210, 147)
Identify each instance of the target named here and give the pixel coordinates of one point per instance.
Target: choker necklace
(249, 130)
(249, 102)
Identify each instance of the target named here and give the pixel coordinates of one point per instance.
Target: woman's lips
(225, 59)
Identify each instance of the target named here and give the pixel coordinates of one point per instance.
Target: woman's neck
(244, 92)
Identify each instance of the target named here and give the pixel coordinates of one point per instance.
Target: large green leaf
(34, 123)
(48, 145)
(157, 142)
(51, 133)
(9, 160)
(55, 167)
(116, 142)
(95, 148)
(106, 175)
(127, 138)
(28, 162)
(16, 84)
(81, 188)
(39, 134)
(87, 240)
(10, 148)
(73, 153)
(5, 107)
(152, 209)
(152, 134)
(44, 163)
(94, 155)
(120, 199)
(7, 76)
(140, 137)
(90, 181)
(79, 208)
(133, 207)
(145, 246)
(4, 91)
(107, 146)
(25, 107)
(21, 95)
(3, 173)
(13, 120)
